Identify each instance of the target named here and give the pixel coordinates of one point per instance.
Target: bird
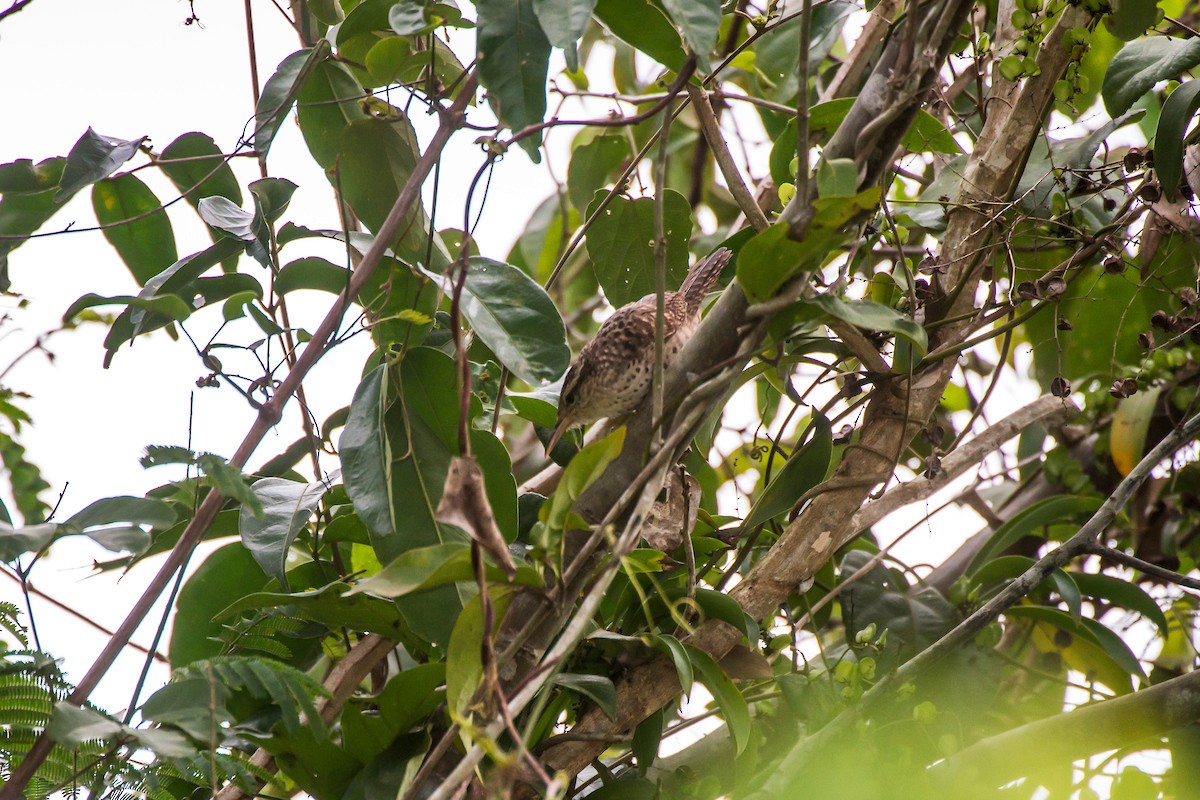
(613, 372)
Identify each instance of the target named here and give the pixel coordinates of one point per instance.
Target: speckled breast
(630, 380)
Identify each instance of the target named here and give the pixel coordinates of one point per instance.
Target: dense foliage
(925, 200)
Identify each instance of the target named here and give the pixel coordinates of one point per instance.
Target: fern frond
(262, 633)
(10, 621)
(289, 689)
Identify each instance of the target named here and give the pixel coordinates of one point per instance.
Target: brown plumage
(614, 370)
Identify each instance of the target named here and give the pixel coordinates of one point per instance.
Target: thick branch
(1110, 725)
(895, 412)
(1046, 410)
(810, 750)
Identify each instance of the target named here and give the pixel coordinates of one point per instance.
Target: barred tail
(703, 275)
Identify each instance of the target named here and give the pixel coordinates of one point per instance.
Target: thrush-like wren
(614, 370)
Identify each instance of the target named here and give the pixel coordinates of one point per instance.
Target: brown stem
(268, 416)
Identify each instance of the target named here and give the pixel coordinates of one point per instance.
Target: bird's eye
(569, 397)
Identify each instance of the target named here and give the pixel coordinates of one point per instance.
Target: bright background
(130, 69)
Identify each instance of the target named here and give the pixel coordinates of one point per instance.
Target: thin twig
(268, 416)
(1046, 409)
(808, 751)
(61, 606)
(17, 6)
(733, 179)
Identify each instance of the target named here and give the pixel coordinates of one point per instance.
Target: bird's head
(571, 405)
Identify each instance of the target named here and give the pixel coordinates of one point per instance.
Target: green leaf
(409, 697)
(71, 725)
(1032, 519)
(729, 699)
(1141, 64)
(328, 605)
(30, 539)
(195, 705)
(771, 258)
(223, 215)
(1130, 424)
(1122, 593)
(138, 510)
(597, 688)
(170, 306)
(364, 456)
(927, 134)
(395, 60)
(229, 481)
(1083, 649)
(369, 724)
(464, 667)
(271, 199)
(539, 406)
(217, 288)
(717, 605)
(437, 565)
(805, 468)
(620, 244)
(871, 316)
(417, 410)
(198, 169)
(1115, 647)
(914, 617)
(647, 736)
(375, 160)
(585, 468)
(312, 273)
(136, 224)
(515, 318)
(288, 691)
(543, 239)
(645, 27)
(1068, 591)
(1054, 166)
(93, 158)
(1002, 569)
(22, 177)
(29, 201)
(837, 177)
(776, 54)
(280, 92)
(407, 17)
(286, 508)
(698, 21)
(592, 167)
(564, 22)
(227, 574)
(1129, 19)
(399, 301)
(327, 11)
(1177, 113)
(679, 657)
(328, 101)
(513, 60)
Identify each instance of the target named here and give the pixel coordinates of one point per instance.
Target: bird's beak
(562, 427)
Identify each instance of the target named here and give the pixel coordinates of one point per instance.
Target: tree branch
(1047, 410)
(809, 751)
(269, 414)
(1109, 725)
(733, 178)
(18, 5)
(893, 415)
